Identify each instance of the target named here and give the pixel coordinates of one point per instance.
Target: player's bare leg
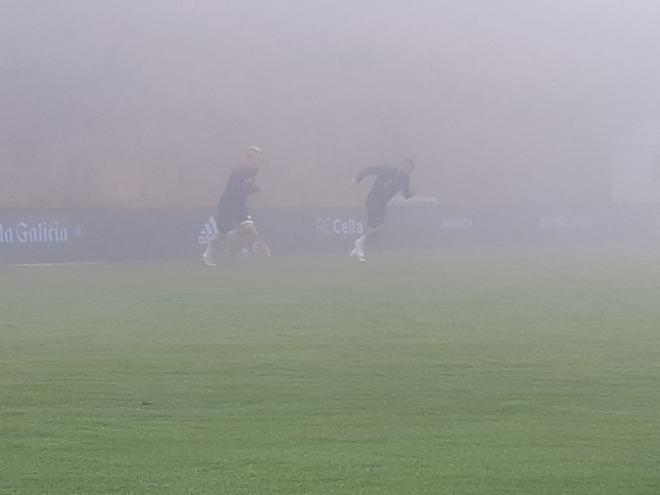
(249, 232)
(360, 243)
(246, 236)
(216, 241)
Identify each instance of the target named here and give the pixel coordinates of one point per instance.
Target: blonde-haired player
(233, 218)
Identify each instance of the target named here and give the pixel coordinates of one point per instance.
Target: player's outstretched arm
(373, 170)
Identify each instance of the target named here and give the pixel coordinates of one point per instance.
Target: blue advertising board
(75, 235)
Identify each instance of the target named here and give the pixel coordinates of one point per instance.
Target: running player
(389, 182)
(233, 218)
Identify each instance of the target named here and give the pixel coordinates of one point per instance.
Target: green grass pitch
(449, 373)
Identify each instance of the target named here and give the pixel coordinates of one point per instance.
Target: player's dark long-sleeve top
(389, 181)
(239, 186)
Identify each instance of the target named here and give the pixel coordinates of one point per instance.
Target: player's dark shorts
(230, 216)
(376, 213)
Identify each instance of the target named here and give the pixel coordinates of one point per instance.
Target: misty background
(152, 102)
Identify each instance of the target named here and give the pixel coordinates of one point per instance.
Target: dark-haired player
(233, 218)
(389, 182)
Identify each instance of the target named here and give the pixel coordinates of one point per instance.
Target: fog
(152, 102)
